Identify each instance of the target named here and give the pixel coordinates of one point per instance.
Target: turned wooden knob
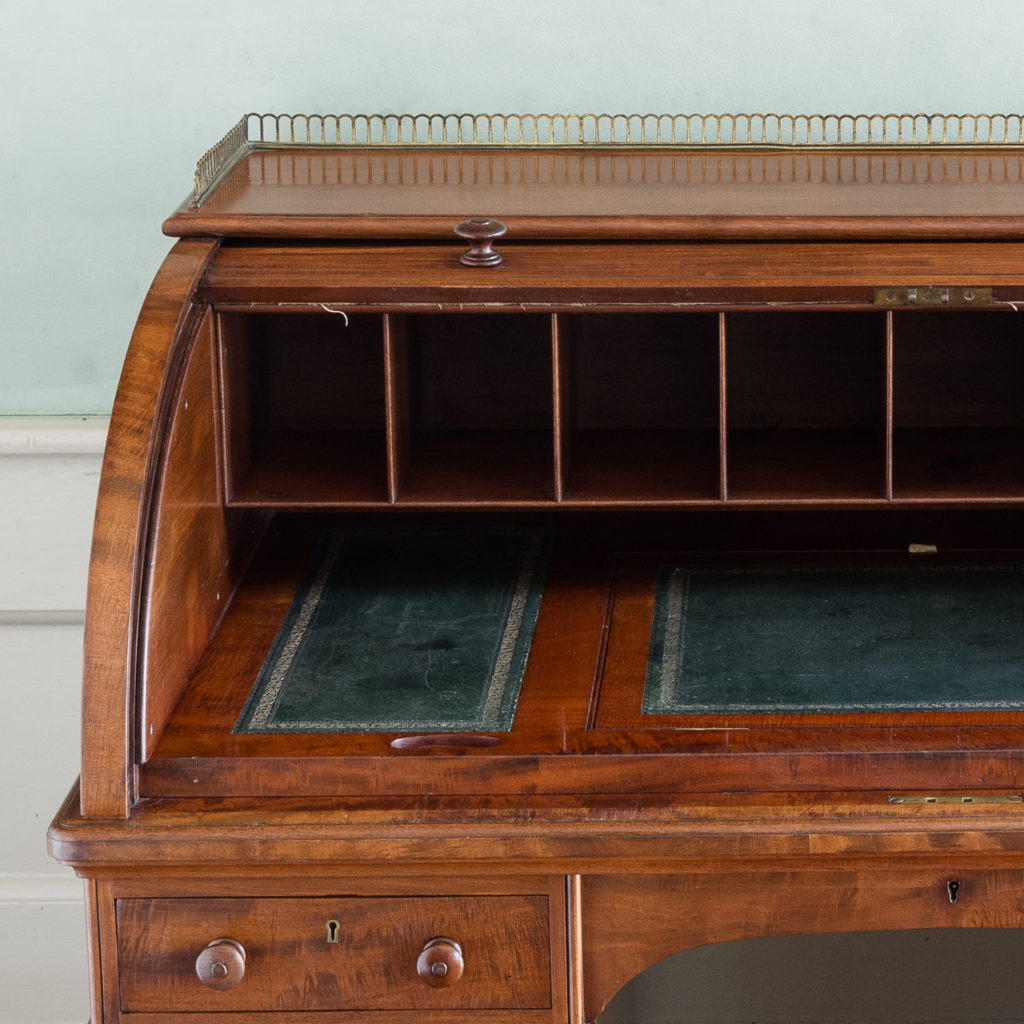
(480, 232)
(221, 965)
(441, 963)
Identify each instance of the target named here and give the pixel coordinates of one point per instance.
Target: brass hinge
(943, 295)
(957, 798)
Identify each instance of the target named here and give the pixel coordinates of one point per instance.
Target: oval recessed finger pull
(445, 739)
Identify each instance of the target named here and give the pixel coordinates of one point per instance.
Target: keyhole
(333, 928)
(954, 890)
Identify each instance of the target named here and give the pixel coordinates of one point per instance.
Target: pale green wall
(109, 102)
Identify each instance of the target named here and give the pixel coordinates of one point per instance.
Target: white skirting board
(49, 472)
(44, 978)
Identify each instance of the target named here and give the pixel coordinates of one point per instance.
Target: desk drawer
(341, 953)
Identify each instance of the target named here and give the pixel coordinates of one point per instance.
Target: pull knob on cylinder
(480, 232)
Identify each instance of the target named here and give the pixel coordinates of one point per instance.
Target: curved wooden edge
(128, 477)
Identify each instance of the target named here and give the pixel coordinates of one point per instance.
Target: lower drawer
(345, 953)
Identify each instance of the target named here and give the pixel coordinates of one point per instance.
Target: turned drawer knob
(480, 232)
(441, 963)
(221, 965)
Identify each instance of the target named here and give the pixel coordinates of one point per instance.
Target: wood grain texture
(398, 385)
(196, 547)
(93, 946)
(566, 737)
(666, 915)
(668, 276)
(139, 425)
(807, 408)
(423, 843)
(103, 919)
(512, 933)
(291, 966)
(678, 353)
(626, 194)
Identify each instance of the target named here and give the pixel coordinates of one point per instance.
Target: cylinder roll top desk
(531, 546)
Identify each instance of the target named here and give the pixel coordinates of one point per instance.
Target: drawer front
(339, 953)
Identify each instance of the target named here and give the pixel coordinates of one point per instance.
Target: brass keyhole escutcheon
(333, 931)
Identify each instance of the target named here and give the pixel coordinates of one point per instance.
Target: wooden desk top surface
(338, 192)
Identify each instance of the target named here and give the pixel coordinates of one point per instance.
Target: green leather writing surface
(404, 631)
(806, 639)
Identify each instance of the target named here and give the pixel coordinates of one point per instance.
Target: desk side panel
(197, 548)
(138, 429)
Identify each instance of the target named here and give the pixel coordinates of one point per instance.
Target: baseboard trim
(49, 472)
(53, 435)
(41, 888)
(42, 617)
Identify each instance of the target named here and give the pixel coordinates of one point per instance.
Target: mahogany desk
(707, 344)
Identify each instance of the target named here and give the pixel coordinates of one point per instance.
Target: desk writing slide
(764, 639)
(404, 630)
